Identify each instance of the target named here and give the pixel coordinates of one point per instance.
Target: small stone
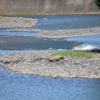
(43, 61)
(7, 62)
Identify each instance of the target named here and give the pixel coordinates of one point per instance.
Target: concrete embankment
(48, 7)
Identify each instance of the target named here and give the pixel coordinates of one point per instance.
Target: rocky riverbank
(69, 33)
(59, 33)
(38, 63)
(21, 24)
(17, 22)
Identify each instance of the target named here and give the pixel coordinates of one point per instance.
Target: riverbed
(48, 29)
(17, 86)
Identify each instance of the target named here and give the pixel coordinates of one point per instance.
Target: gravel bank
(38, 64)
(22, 24)
(59, 33)
(69, 33)
(17, 22)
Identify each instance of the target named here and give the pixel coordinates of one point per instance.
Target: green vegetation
(77, 54)
(97, 2)
(18, 13)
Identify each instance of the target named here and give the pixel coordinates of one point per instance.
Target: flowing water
(89, 42)
(26, 40)
(64, 22)
(14, 86)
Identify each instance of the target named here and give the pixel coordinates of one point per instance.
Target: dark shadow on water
(29, 43)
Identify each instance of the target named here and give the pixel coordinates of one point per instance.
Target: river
(24, 41)
(15, 86)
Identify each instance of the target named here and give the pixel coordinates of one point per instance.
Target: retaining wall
(49, 7)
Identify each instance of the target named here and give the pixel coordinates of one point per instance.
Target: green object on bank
(97, 2)
(77, 54)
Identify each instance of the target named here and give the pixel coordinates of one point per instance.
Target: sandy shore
(38, 64)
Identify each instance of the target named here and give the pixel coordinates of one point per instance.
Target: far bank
(47, 7)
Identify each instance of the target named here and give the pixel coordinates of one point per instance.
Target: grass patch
(77, 54)
(18, 13)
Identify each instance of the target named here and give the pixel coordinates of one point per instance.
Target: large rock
(95, 50)
(55, 58)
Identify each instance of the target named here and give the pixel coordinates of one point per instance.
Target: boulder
(55, 58)
(95, 50)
